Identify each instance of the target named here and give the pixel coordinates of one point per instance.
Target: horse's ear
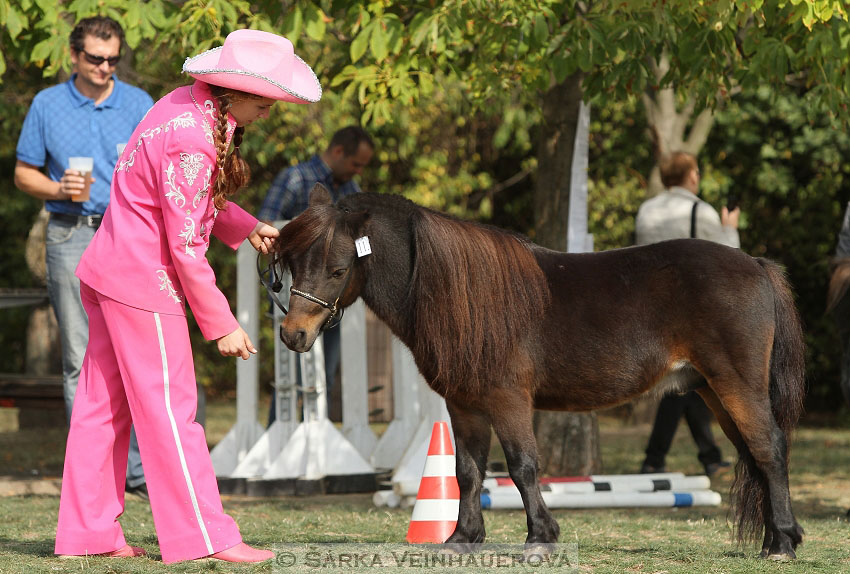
(320, 195)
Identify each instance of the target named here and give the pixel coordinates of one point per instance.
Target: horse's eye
(339, 273)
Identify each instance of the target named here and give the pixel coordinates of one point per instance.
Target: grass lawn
(609, 541)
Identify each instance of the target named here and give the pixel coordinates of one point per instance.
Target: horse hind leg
(512, 419)
(731, 431)
(760, 491)
(472, 446)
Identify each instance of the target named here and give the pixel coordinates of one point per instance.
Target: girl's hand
(263, 236)
(236, 344)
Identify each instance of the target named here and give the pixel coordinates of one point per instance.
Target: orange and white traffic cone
(435, 512)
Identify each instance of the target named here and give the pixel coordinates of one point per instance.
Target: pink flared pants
(138, 368)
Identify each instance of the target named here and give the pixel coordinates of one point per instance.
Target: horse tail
(787, 392)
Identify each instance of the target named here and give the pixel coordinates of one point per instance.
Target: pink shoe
(126, 552)
(241, 553)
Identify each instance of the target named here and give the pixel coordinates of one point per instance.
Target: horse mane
(301, 233)
(476, 291)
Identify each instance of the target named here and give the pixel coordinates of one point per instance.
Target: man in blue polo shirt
(348, 152)
(90, 115)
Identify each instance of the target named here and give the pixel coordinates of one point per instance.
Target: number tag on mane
(363, 246)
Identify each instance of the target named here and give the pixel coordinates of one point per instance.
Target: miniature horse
(500, 326)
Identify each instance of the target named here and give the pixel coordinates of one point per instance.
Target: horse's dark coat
(500, 326)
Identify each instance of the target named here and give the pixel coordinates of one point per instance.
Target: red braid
(233, 171)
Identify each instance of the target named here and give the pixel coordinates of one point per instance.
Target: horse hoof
(537, 550)
(780, 557)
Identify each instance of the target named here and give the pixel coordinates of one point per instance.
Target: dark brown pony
(500, 326)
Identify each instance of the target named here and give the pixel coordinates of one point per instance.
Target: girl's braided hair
(233, 171)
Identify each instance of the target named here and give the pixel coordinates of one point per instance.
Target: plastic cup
(84, 165)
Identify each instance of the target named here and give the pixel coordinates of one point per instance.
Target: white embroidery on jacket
(179, 200)
(205, 234)
(188, 235)
(184, 120)
(202, 193)
(208, 134)
(209, 108)
(191, 164)
(166, 285)
(131, 159)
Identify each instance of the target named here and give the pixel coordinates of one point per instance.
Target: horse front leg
(472, 445)
(512, 419)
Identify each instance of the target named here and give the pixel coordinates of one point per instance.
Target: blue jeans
(65, 245)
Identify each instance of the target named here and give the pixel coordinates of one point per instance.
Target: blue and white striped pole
(511, 499)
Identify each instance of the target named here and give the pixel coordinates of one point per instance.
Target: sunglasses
(98, 60)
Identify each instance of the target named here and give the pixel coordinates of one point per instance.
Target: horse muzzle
(297, 335)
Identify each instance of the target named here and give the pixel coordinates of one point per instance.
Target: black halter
(336, 312)
(270, 280)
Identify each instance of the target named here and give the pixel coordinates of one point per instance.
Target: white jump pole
(578, 239)
(682, 484)
(268, 447)
(406, 409)
(355, 394)
(407, 475)
(316, 448)
(511, 499)
(236, 444)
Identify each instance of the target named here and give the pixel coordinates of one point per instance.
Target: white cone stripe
(435, 509)
(439, 465)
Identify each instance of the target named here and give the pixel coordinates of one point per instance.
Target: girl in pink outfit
(146, 262)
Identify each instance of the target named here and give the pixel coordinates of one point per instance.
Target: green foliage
(385, 51)
(619, 161)
(17, 214)
(450, 91)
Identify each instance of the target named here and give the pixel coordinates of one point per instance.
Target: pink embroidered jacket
(150, 249)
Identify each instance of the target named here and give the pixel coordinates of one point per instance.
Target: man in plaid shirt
(349, 151)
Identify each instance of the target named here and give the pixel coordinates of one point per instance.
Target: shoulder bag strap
(694, 220)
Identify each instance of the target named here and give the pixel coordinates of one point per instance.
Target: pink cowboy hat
(258, 63)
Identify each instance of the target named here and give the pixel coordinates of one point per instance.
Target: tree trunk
(43, 351)
(670, 120)
(567, 443)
